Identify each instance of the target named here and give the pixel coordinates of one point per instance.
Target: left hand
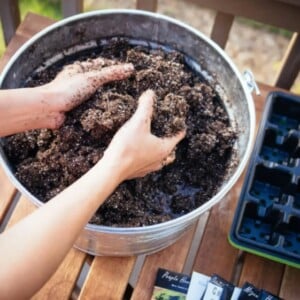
(77, 82)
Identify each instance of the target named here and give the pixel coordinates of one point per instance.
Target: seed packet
(236, 293)
(197, 286)
(218, 289)
(213, 292)
(265, 295)
(249, 292)
(170, 285)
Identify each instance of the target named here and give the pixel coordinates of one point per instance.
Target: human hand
(135, 151)
(45, 106)
(78, 81)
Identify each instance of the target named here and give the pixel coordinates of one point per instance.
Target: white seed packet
(197, 286)
(213, 292)
(236, 293)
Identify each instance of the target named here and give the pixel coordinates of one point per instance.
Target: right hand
(134, 150)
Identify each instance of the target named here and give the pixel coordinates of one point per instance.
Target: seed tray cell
(267, 218)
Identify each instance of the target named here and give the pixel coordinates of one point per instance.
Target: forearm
(25, 109)
(46, 236)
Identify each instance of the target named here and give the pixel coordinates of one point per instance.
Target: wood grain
(291, 63)
(150, 5)
(107, 278)
(263, 273)
(290, 287)
(172, 258)
(221, 28)
(62, 282)
(267, 11)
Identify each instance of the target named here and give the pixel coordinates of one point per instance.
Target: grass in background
(48, 8)
(254, 24)
(2, 47)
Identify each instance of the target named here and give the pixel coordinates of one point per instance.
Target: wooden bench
(279, 13)
(204, 248)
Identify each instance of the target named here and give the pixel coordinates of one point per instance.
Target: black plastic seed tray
(267, 218)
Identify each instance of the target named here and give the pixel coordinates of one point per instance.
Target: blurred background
(251, 45)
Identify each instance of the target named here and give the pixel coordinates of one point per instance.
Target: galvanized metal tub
(85, 29)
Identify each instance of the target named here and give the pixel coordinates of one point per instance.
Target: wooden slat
(215, 254)
(255, 269)
(30, 26)
(10, 18)
(271, 12)
(221, 28)
(7, 192)
(71, 7)
(290, 65)
(294, 2)
(290, 287)
(33, 24)
(107, 278)
(172, 258)
(150, 5)
(61, 284)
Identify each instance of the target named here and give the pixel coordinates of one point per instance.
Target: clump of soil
(47, 161)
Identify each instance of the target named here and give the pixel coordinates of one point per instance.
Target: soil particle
(47, 161)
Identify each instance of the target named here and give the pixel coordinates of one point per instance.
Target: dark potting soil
(47, 161)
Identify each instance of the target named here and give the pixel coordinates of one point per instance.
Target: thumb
(170, 142)
(145, 107)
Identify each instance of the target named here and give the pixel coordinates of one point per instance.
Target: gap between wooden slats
(290, 287)
(262, 272)
(107, 278)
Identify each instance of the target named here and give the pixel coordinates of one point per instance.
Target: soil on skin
(47, 161)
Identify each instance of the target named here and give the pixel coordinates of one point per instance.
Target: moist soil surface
(47, 161)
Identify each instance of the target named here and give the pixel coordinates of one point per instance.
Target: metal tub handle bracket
(250, 81)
